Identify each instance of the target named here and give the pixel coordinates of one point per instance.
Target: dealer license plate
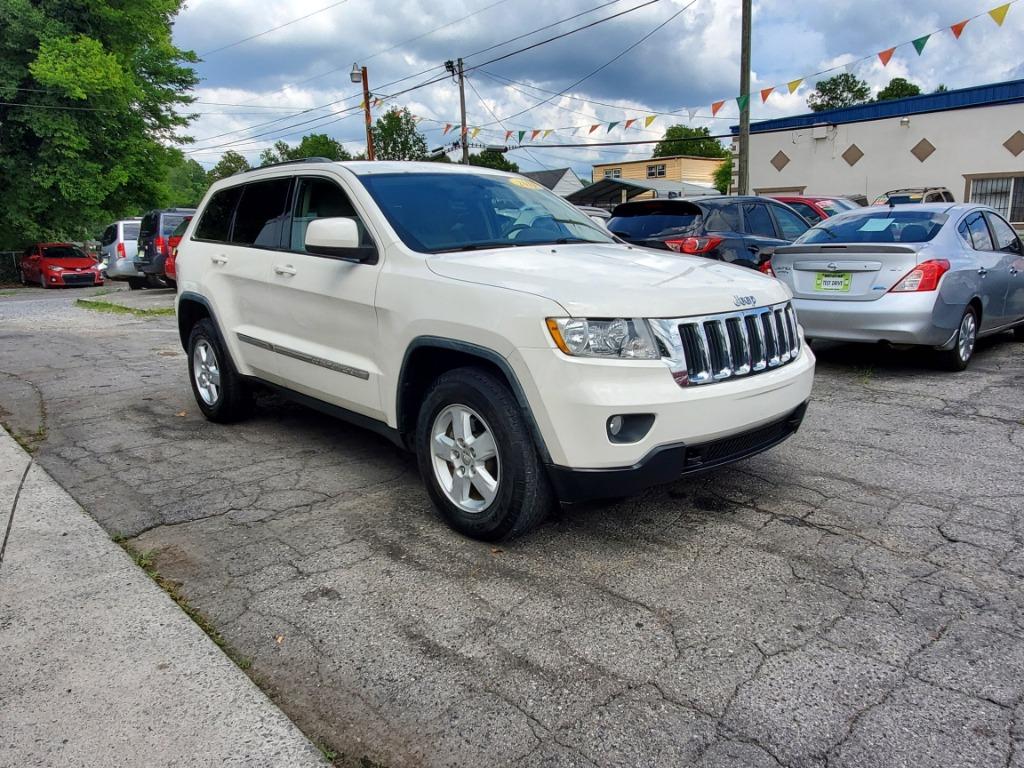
(839, 282)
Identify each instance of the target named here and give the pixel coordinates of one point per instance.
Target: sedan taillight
(924, 277)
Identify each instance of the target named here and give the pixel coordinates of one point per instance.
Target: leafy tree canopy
(683, 140)
(93, 91)
(844, 90)
(723, 176)
(898, 88)
(491, 159)
(395, 137)
(230, 163)
(187, 182)
(312, 145)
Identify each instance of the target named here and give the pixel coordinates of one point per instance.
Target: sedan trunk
(854, 272)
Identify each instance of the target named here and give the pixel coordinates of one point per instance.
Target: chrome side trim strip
(330, 365)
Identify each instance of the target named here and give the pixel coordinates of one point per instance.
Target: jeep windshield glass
(445, 212)
(876, 225)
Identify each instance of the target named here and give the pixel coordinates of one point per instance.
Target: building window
(1005, 194)
(656, 171)
(613, 173)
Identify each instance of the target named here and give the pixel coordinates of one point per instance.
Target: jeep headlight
(619, 338)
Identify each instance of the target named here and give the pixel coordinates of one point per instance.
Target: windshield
(876, 226)
(439, 212)
(64, 252)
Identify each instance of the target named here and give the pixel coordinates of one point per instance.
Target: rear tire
(1018, 333)
(136, 283)
(42, 282)
(221, 394)
(959, 357)
(477, 457)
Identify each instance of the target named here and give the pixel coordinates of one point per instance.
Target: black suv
(155, 232)
(740, 230)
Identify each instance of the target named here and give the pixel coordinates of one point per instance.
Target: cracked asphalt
(851, 598)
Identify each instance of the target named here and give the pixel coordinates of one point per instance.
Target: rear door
(759, 230)
(991, 265)
(147, 234)
(1008, 244)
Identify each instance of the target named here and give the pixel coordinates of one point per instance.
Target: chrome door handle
(982, 271)
(219, 259)
(284, 269)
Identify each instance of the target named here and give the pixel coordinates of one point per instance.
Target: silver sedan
(938, 275)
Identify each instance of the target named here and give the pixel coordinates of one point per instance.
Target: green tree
(187, 182)
(92, 94)
(844, 90)
(312, 145)
(229, 164)
(723, 175)
(395, 137)
(941, 88)
(898, 88)
(491, 159)
(683, 140)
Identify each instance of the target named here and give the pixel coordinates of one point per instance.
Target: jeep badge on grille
(744, 301)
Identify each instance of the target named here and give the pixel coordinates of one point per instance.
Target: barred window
(1005, 194)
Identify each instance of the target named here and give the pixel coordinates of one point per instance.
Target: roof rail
(287, 162)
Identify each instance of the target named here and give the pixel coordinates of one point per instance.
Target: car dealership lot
(851, 596)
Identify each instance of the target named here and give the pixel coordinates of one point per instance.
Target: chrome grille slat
(729, 345)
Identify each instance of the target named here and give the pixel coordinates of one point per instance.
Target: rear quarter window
(215, 221)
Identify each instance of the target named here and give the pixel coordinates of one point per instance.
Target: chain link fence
(9, 266)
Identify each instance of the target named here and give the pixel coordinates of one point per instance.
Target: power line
(488, 108)
(272, 29)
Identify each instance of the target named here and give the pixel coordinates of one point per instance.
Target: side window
(1005, 235)
(321, 199)
(109, 235)
(791, 225)
(722, 218)
(981, 240)
(934, 197)
(806, 211)
(263, 216)
(215, 223)
(948, 197)
(758, 220)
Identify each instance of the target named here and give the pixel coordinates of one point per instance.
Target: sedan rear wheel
(957, 358)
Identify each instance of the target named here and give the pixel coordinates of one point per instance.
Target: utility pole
(456, 70)
(359, 74)
(744, 158)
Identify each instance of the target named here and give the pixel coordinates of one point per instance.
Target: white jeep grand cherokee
(524, 353)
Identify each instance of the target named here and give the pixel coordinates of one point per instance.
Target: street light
(358, 75)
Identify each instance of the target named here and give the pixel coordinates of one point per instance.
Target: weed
(864, 375)
(117, 309)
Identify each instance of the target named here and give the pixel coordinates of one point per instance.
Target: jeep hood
(612, 280)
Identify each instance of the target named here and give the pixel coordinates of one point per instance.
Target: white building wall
(568, 184)
(967, 142)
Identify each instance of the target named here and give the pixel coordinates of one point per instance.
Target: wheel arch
(192, 308)
(427, 357)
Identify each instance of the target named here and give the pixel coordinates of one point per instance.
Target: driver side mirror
(338, 238)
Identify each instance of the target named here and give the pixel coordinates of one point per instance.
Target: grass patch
(865, 374)
(28, 442)
(145, 561)
(8, 293)
(117, 309)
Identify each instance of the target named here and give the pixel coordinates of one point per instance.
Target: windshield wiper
(477, 247)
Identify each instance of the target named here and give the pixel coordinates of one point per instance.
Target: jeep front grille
(705, 350)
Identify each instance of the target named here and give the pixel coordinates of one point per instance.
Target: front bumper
(899, 318)
(671, 462)
(73, 279)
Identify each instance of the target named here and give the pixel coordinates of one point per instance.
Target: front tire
(477, 457)
(221, 394)
(959, 357)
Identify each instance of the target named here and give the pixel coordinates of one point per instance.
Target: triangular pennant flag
(716, 106)
(794, 84)
(362, 104)
(464, 130)
(474, 133)
(999, 14)
(521, 134)
(743, 101)
(920, 43)
(958, 28)
(691, 113)
(534, 134)
(377, 102)
(611, 125)
(547, 133)
(765, 93)
(592, 129)
(629, 123)
(508, 135)
(885, 55)
(649, 119)
(447, 127)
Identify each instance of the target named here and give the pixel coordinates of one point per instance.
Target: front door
(322, 309)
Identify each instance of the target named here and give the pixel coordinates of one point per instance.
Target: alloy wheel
(206, 371)
(968, 336)
(465, 458)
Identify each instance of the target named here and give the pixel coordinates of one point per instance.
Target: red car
(814, 208)
(172, 255)
(54, 265)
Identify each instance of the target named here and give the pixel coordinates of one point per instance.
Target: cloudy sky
(254, 93)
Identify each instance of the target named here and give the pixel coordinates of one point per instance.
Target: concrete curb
(98, 667)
